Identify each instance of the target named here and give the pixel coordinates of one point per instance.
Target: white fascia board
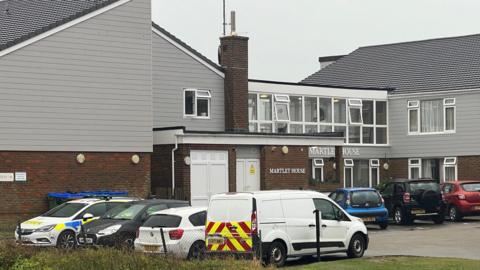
(188, 52)
(288, 89)
(235, 139)
(434, 93)
(62, 27)
(161, 137)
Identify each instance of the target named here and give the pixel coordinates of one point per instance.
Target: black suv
(407, 200)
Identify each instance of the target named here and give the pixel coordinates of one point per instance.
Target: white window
(282, 108)
(348, 173)
(414, 168)
(348, 162)
(450, 169)
(197, 103)
(317, 169)
(431, 116)
(355, 111)
(374, 172)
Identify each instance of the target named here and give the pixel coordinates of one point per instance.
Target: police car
(60, 225)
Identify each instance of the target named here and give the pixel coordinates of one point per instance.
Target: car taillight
(406, 197)
(461, 196)
(254, 222)
(175, 234)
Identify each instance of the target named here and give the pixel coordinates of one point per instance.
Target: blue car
(365, 203)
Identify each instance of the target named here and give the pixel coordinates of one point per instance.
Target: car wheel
(356, 248)
(66, 240)
(399, 216)
(126, 241)
(197, 251)
(277, 254)
(383, 226)
(454, 214)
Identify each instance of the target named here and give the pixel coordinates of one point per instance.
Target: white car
(284, 223)
(183, 230)
(60, 225)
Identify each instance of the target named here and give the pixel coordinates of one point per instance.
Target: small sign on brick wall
(287, 170)
(6, 177)
(20, 176)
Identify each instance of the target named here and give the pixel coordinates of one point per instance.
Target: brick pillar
(339, 164)
(234, 60)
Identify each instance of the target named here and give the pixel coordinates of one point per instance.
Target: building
(433, 109)
(75, 106)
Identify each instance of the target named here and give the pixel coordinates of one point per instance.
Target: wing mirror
(87, 216)
(340, 216)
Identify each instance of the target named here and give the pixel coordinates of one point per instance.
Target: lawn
(394, 263)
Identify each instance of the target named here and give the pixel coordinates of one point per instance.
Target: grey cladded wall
(173, 71)
(465, 141)
(86, 88)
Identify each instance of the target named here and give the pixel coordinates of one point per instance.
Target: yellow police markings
(33, 222)
(60, 227)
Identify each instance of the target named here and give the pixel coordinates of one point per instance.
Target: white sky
(288, 36)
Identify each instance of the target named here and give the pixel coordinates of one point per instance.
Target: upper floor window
(197, 103)
(282, 110)
(431, 116)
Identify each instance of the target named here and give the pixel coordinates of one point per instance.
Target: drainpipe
(173, 166)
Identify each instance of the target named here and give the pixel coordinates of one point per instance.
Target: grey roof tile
(21, 20)
(418, 66)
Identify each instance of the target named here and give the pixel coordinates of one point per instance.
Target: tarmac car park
(59, 226)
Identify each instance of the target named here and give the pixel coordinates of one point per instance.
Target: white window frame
(276, 112)
(449, 103)
(348, 162)
(415, 105)
(350, 168)
(374, 164)
(412, 165)
(356, 104)
(282, 98)
(203, 94)
(449, 162)
(317, 163)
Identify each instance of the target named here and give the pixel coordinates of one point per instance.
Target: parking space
(458, 240)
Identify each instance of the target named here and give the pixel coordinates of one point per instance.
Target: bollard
(163, 241)
(317, 229)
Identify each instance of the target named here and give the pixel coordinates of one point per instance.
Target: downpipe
(173, 166)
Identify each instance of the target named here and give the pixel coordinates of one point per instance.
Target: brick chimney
(233, 57)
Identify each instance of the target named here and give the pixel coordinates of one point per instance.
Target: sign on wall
(20, 176)
(318, 151)
(287, 170)
(6, 177)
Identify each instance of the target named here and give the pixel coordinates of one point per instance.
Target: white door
(208, 175)
(248, 175)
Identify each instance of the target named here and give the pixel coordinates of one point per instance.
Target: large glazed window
(265, 107)
(310, 109)
(431, 116)
(252, 107)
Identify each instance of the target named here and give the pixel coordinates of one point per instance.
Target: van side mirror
(87, 216)
(340, 216)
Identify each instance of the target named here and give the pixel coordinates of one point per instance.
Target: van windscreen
(221, 210)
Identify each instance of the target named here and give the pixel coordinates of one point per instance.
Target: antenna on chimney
(233, 23)
(224, 22)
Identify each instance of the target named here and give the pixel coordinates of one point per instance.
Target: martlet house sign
(286, 170)
(318, 151)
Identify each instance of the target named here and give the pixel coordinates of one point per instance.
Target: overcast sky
(288, 36)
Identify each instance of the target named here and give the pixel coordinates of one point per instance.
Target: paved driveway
(459, 240)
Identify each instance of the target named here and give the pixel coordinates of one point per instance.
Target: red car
(462, 198)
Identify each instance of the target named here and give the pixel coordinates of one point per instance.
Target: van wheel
(356, 248)
(66, 240)
(454, 214)
(197, 251)
(277, 254)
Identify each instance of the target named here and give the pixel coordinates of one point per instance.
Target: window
(374, 178)
(197, 103)
(348, 173)
(348, 162)
(380, 112)
(354, 134)
(339, 111)
(97, 210)
(281, 111)
(163, 221)
(252, 107)
(327, 209)
(265, 107)
(431, 116)
(317, 169)
(414, 166)
(325, 110)
(355, 111)
(198, 219)
(296, 109)
(367, 112)
(311, 109)
(449, 169)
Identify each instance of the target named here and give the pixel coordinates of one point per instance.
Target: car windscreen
(471, 187)
(116, 210)
(65, 210)
(362, 197)
(129, 213)
(163, 221)
(417, 187)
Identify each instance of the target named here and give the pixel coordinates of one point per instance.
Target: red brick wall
(234, 59)
(468, 167)
(60, 172)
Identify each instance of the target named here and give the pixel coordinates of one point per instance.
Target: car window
(154, 208)
(129, 213)
(327, 209)
(364, 197)
(447, 188)
(97, 209)
(111, 205)
(340, 197)
(471, 187)
(388, 189)
(65, 210)
(163, 221)
(421, 186)
(198, 219)
(399, 188)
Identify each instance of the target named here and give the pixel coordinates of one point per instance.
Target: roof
(187, 47)
(318, 85)
(409, 67)
(22, 20)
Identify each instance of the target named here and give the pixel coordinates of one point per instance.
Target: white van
(285, 221)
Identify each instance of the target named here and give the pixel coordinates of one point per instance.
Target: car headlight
(45, 228)
(110, 230)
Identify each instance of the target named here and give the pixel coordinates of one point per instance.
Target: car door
(333, 228)
(387, 195)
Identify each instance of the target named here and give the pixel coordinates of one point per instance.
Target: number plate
(216, 240)
(151, 248)
(368, 219)
(418, 211)
(477, 207)
(81, 240)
